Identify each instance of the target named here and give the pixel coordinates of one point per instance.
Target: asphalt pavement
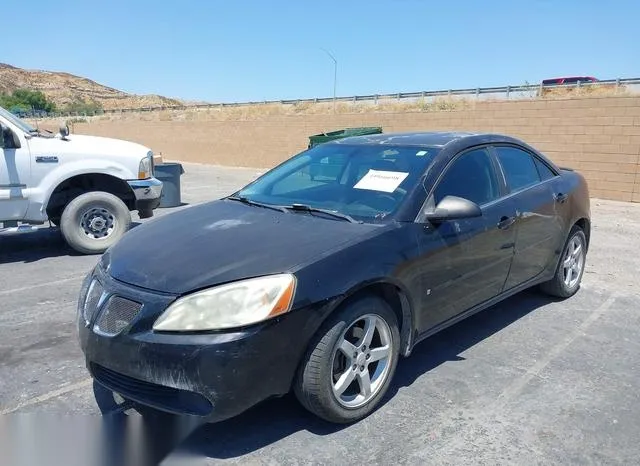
(529, 381)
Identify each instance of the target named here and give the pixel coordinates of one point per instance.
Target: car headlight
(145, 168)
(235, 304)
(82, 298)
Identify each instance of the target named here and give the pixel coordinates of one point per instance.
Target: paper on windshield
(379, 180)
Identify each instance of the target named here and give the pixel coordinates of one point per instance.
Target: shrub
(83, 107)
(25, 100)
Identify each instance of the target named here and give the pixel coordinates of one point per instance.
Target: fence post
(477, 93)
(617, 85)
(375, 99)
(508, 91)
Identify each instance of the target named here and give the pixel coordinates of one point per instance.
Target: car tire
(318, 384)
(572, 261)
(94, 221)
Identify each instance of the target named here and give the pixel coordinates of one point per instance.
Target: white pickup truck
(86, 185)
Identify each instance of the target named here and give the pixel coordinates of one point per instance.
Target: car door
(466, 262)
(539, 225)
(14, 176)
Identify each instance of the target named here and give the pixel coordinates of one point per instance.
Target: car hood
(223, 241)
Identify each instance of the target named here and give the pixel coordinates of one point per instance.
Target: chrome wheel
(361, 361)
(573, 262)
(98, 223)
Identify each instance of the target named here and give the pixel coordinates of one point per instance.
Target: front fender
(39, 195)
(376, 264)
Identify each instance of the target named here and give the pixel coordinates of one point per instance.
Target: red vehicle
(569, 80)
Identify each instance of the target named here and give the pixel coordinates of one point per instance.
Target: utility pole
(335, 76)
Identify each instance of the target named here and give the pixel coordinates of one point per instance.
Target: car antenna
(36, 120)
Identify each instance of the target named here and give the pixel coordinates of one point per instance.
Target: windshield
(366, 182)
(27, 128)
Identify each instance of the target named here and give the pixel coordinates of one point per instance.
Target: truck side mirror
(64, 130)
(9, 139)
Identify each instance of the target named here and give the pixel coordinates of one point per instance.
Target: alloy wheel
(573, 262)
(361, 361)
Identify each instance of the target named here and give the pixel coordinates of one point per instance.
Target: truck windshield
(27, 128)
(366, 182)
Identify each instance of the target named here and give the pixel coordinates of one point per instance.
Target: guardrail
(506, 92)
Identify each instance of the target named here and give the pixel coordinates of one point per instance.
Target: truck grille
(117, 314)
(93, 299)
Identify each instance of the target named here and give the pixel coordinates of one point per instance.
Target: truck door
(15, 171)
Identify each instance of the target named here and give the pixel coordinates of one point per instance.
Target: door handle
(505, 222)
(560, 197)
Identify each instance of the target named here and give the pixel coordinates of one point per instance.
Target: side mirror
(453, 208)
(3, 136)
(64, 130)
(8, 139)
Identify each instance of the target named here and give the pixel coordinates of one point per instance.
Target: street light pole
(335, 76)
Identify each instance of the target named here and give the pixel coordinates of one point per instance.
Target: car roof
(433, 139)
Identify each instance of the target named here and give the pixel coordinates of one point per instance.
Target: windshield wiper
(244, 200)
(332, 213)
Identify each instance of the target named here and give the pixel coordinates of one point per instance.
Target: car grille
(116, 315)
(159, 396)
(93, 299)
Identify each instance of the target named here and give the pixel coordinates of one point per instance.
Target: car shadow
(32, 246)
(276, 419)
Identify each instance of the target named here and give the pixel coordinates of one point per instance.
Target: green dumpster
(343, 133)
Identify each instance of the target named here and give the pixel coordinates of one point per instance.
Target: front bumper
(147, 193)
(215, 376)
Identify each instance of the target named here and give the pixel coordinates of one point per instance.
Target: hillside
(65, 88)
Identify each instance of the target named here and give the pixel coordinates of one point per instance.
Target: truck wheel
(94, 221)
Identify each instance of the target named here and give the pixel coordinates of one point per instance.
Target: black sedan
(320, 274)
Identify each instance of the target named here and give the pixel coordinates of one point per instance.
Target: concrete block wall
(598, 136)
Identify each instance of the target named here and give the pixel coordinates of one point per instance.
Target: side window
(544, 171)
(519, 168)
(472, 177)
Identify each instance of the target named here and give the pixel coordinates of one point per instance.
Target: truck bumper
(147, 193)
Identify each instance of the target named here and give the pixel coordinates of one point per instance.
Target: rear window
(543, 170)
(519, 168)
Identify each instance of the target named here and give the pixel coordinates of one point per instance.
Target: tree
(27, 100)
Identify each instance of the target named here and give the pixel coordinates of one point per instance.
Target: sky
(242, 50)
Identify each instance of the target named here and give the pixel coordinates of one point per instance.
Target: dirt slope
(64, 88)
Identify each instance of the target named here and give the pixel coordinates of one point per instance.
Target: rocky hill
(65, 88)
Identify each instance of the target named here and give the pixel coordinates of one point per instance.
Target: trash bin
(343, 133)
(169, 174)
